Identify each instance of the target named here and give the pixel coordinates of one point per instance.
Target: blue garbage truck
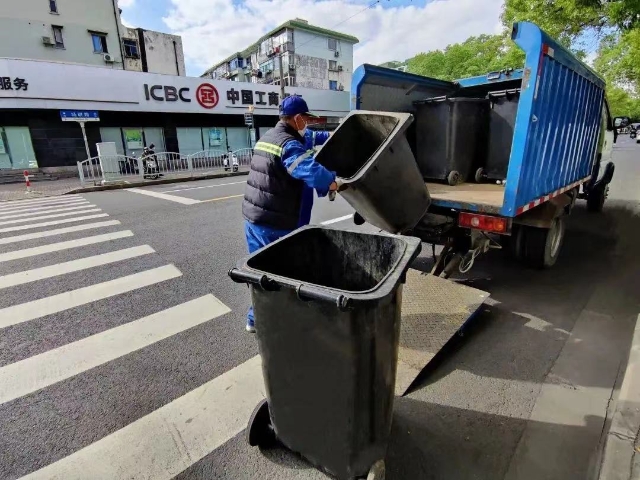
(504, 156)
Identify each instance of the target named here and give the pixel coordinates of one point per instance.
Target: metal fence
(121, 168)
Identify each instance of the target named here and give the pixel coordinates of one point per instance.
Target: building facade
(176, 113)
(311, 57)
(88, 32)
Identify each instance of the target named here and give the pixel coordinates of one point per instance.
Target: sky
(388, 30)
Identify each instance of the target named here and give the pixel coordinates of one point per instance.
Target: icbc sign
(207, 95)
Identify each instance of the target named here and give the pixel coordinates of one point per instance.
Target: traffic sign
(79, 116)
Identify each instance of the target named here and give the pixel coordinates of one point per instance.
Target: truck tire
(540, 247)
(596, 199)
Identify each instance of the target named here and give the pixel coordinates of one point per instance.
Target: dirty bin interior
(329, 258)
(360, 137)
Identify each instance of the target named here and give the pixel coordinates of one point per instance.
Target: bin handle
(240, 276)
(306, 293)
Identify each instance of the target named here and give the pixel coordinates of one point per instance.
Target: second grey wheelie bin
(448, 137)
(327, 308)
(371, 156)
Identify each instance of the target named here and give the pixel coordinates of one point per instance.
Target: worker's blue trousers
(259, 236)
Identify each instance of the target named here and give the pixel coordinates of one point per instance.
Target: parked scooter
(235, 165)
(150, 163)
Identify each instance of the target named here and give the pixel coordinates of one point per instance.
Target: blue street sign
(79, 116)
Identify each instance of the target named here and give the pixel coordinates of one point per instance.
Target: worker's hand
(333, 187)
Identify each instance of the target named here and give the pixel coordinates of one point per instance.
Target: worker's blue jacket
(298, 160)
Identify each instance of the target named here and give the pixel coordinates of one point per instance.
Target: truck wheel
(541, 246)
(596, 198)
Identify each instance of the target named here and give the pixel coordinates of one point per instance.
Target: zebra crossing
(45, 241)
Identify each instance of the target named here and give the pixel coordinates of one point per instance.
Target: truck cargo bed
(477, 197)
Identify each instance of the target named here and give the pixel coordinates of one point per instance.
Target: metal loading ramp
(433, 310)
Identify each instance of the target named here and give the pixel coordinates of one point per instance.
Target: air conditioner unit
(108, 58)
(341, 87)
(339, 68)
(47, 41)
(292, 67)
(336, 53)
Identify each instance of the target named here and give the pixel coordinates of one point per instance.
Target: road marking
(164, 196)
(336, 220)
(57, 247)
(53, 222)
(34, 201)
(44, 217)
(57, 303)
(45, 212)
(222, 198)
(171, 439)
(68, 203)
(206, 186)
(27, 276)
(40, 371)
(59, 231)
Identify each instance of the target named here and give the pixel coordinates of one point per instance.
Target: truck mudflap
(433, 311)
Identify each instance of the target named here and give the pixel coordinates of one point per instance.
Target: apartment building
(308, 57)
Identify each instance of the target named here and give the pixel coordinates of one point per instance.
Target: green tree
(475, 56)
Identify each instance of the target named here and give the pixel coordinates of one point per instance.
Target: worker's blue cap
(294, 105)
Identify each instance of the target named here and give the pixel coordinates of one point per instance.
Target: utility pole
(281, 77)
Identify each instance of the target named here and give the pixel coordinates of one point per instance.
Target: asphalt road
(93, 386)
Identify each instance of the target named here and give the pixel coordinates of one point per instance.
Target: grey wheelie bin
(449, 132)
(380, 179)
(327, 307)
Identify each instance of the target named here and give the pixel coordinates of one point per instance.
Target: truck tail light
(485, 223)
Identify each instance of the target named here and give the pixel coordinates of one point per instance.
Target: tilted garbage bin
(371, 156)
(327, 307)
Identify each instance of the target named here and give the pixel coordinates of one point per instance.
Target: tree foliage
(475, 56)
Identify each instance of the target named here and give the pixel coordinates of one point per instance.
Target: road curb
(145, 183)
(620, 446)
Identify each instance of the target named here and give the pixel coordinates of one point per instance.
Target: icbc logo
(207, 95)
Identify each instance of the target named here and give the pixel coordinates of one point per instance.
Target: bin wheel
(480, 175)
(454, 178)
(377, 471)
(259, 431)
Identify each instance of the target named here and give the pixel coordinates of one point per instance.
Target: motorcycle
(150, 163)
(235, 165)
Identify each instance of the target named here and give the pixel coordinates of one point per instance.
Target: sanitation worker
(279, 192)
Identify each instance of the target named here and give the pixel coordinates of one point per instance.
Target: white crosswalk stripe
(161, 444)
(35, 201)
(60, 246)
(45, 217)
(34, 373)
(53, 222)
(58, 231)
(41, 273)
(21, 208)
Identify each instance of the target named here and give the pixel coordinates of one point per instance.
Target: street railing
(121, 168)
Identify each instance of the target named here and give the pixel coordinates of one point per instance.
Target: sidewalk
(621, 458)
(49, 188)
(18, 191)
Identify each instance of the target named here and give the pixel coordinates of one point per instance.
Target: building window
(333, 65)
(53, 6)
(333, 44)
(57, 36)
(333, 85)
(130, 48)
(99, 43)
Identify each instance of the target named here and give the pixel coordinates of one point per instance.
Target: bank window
(333, 65)
(57, 36)
(99, 43)
(333, 44)
(333, 85)
(53, 6)
(130, 48)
